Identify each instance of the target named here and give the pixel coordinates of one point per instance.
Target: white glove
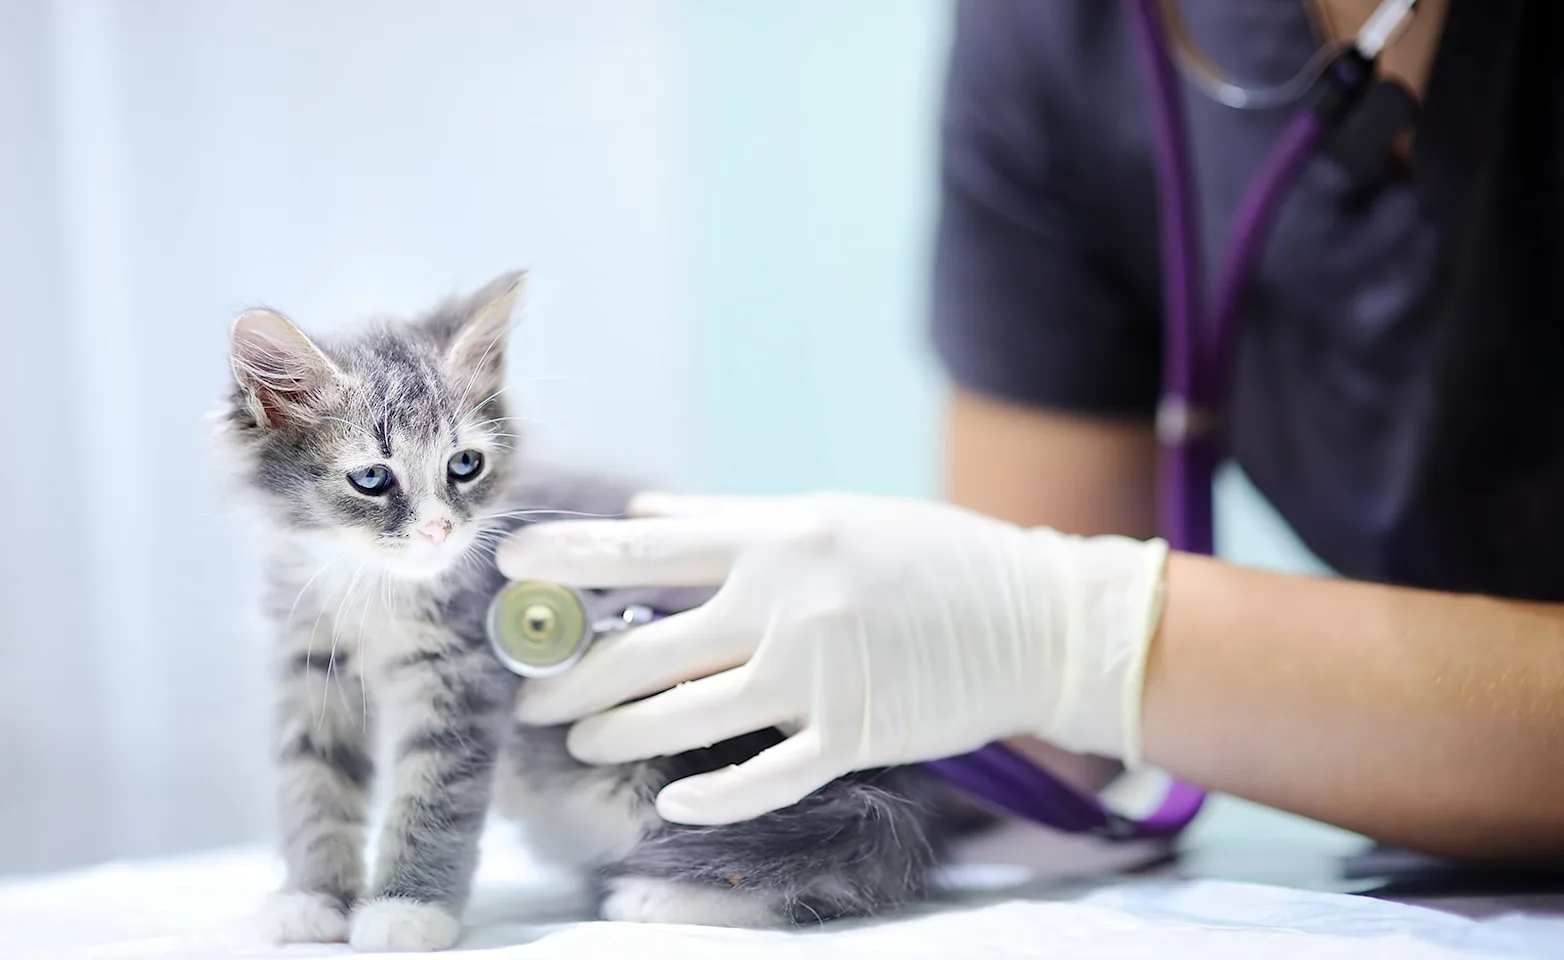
(872, 630)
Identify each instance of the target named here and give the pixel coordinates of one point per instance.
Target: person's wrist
(1102, 600)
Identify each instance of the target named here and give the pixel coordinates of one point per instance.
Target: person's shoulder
(1042, 182)
(1050, 76)
(1041, 98)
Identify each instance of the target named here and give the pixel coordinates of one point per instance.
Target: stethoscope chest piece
(538, 628)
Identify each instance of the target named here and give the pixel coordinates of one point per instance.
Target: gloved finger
(688, 717)
(652, 552)
(637, 662)
(775, 778)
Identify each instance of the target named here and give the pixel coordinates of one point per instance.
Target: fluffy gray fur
(380, 637)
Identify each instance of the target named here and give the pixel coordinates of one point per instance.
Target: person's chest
(1399, 386)
(1398, 392)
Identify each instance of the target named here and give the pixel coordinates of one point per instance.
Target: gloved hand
(872, 630)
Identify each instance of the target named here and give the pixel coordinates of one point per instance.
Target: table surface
(1242, 842)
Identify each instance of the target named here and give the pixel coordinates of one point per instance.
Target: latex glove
(873, 630)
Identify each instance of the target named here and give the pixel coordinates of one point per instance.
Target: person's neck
(1410, 55)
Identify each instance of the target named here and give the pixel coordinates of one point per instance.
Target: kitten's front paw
(391, 924)
(293, 916)
(646, 900)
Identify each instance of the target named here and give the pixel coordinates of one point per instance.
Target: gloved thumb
(775, 778)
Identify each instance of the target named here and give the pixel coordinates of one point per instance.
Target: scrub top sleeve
(1023, 307)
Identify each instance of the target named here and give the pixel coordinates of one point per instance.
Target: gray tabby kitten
(384, 466)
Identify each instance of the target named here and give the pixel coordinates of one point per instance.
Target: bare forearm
(1041, 468)
(1426, 720)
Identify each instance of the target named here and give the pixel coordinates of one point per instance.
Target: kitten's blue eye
(375, 480)
(465, 465)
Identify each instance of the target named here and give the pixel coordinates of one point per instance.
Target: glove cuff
(1105, 598)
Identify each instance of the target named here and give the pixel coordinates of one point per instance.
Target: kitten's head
(389, 446)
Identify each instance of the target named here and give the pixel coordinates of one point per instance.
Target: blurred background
(726, 209)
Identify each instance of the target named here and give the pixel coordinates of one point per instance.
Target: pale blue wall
(813, 121)
(813, 159)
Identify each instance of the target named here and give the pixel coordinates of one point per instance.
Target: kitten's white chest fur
(366, 614)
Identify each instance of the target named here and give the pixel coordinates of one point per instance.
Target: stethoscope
(540, 629)
(1200, 341)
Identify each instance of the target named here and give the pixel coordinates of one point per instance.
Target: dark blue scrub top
(1399, 391)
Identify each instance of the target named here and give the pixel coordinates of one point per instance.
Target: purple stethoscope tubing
(1197, 355)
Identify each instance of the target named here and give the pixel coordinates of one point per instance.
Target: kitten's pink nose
(435, 531)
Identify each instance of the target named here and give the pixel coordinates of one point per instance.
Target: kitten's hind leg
(323, 772)
(859, 846)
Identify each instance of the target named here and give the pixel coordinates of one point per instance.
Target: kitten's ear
(281, 371)
(476, 352)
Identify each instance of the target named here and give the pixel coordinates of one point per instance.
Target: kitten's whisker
(288, 622)
(364, 430)
(385, 415)
(309, 644)
(479, 405)
(342, 698)
(336, 636)
(544, 510)
(470, 558)
(363, 642)
(336, 627)
(477, 368)
(819, 920)
(486, 544)
(535, 420)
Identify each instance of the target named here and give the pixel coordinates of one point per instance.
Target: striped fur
(381, 656)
